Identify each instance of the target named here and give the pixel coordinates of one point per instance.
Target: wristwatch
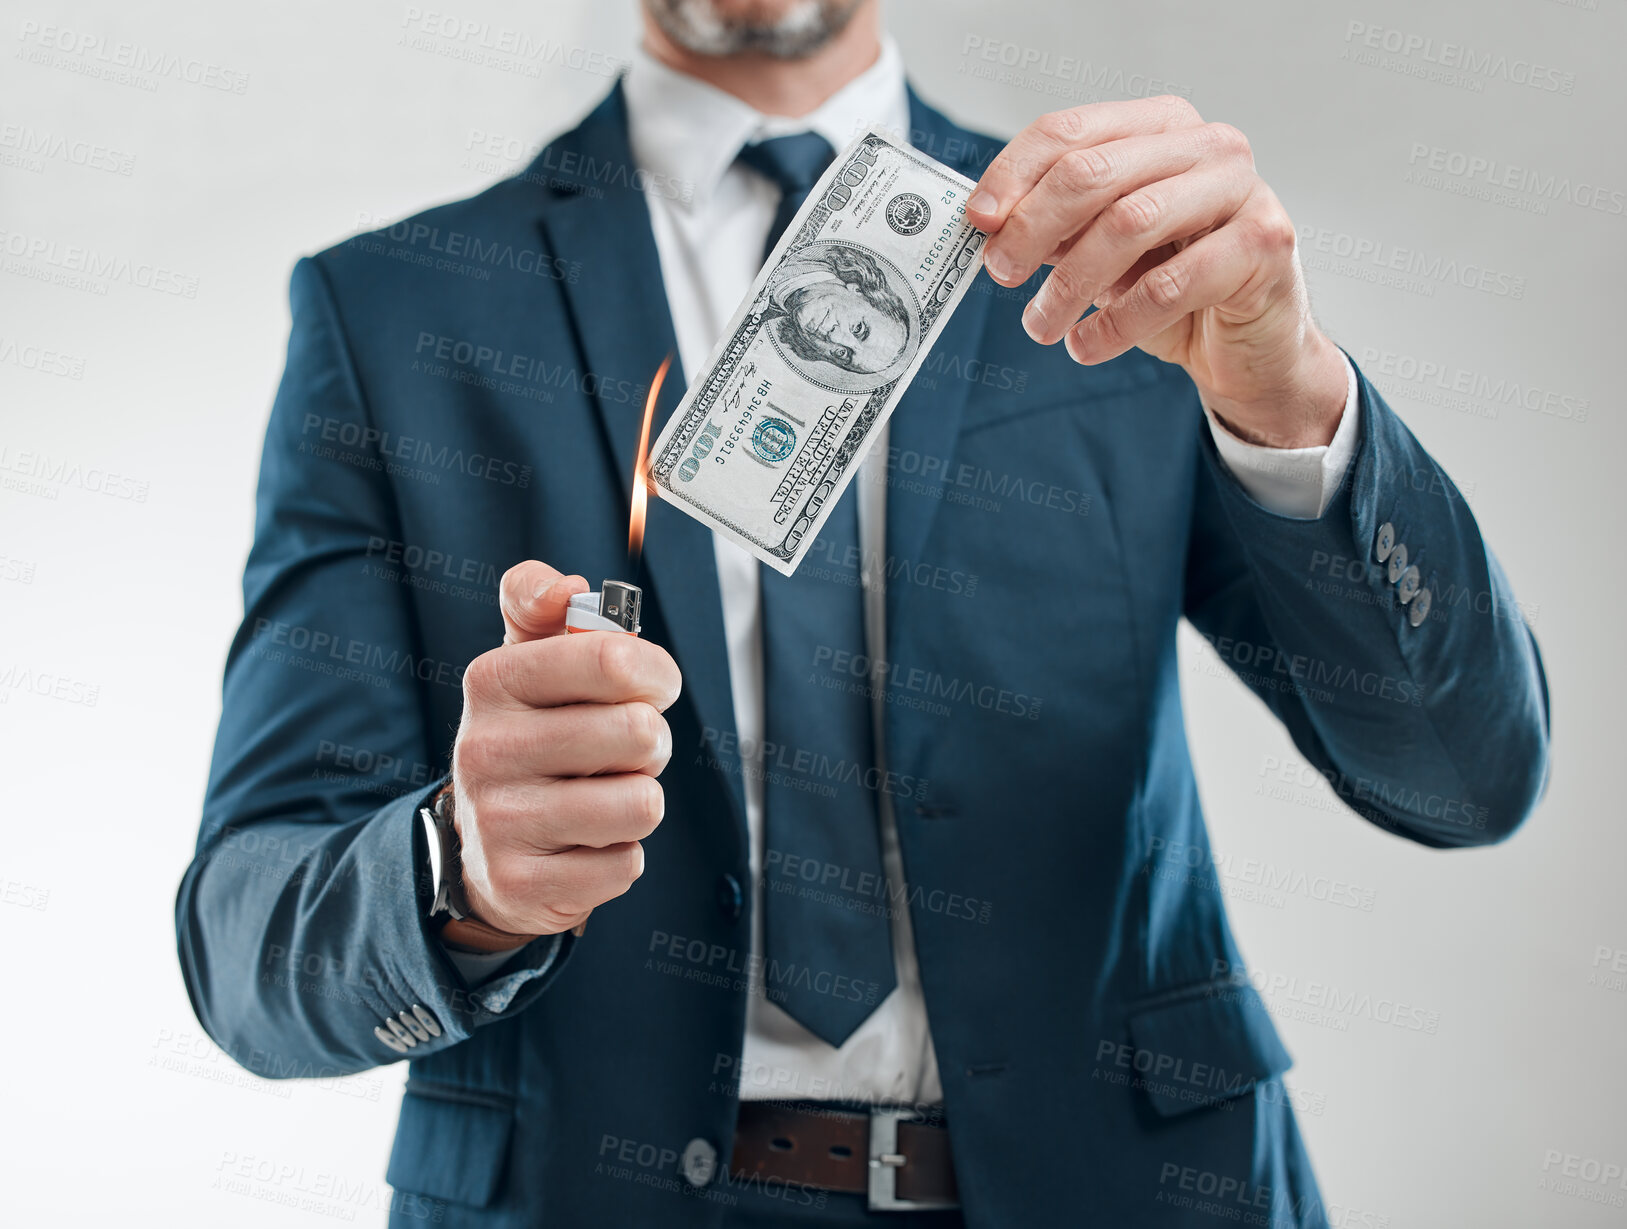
(448, 902)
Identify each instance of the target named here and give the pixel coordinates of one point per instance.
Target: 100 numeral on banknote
(828, 338)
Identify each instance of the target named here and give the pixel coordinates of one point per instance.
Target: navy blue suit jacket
(463, 392)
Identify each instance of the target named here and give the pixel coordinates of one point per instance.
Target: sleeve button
(1419, 610)
(1398, 562)
(1407, 587)
(1384, 541)
(427, 1018)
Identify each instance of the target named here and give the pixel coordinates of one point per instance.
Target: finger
(1211, 271)
(552, 892)
(578, 740)
(1131, 226)
(1084, 182)
(592, 668)
(533, 597)
(530, 817)
(1032, 151)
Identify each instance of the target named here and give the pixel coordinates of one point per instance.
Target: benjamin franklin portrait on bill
(843, 317)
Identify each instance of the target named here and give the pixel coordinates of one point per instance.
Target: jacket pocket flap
(450, 1147)
(1204, 1045)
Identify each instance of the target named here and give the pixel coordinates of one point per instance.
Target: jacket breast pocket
(1200, 1045)
(451, 1143)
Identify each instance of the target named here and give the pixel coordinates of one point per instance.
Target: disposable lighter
(614, 608)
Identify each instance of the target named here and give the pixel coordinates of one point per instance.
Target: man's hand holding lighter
(1162, 222)
(555, 765)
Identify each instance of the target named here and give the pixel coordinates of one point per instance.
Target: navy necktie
(826, 935)
(793, 164)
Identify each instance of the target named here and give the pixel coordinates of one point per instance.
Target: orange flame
(641, 481)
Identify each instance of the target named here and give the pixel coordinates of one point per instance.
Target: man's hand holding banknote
(1153, 216)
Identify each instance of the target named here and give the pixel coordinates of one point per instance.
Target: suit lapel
(619, 309)
(927, 420)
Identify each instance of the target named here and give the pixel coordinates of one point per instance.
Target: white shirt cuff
(1296, 482)
(494, 989)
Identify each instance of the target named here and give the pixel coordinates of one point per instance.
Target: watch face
(432, 843)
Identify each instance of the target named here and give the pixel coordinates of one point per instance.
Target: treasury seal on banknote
(908, 213)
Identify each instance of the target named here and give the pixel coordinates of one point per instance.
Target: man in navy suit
(904, 943)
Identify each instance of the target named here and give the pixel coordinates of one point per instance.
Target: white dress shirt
(711, 217)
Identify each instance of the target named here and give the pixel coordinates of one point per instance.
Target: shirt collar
(685, 134)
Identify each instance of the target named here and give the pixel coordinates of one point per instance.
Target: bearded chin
(697, 26)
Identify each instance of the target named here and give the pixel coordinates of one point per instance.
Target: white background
(116, 1107)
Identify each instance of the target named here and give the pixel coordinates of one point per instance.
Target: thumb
(533, 597)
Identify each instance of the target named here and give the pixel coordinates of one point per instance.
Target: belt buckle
(886, 1161)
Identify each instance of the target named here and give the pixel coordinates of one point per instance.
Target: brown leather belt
(897, 1157)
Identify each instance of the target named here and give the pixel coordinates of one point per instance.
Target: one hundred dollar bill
(774, 426)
